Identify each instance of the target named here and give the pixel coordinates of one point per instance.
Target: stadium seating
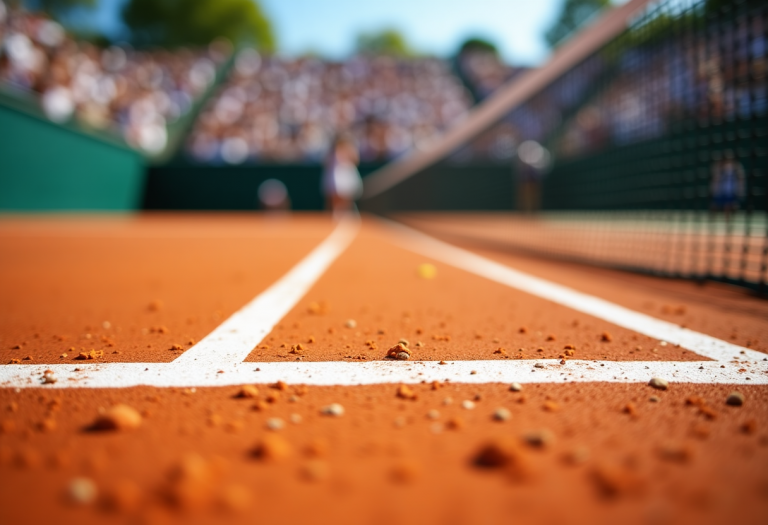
(289, 110)
(131, 94)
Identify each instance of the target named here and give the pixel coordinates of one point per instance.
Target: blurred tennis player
(341, 183)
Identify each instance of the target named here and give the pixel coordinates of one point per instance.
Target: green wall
(48, 167)
(183, 186)
(449, 186)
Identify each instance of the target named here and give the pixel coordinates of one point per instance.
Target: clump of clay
(399, 351)
(119, 417)
(247, 392)
(735, 399)
(82, 491)
(504, 454)
(405, 392)
(334, 410)
(93, 354)
(272, 448)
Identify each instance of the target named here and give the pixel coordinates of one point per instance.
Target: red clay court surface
(586, 439)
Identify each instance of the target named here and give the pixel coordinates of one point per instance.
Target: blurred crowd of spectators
(637, 92)
(534, 120)
(269, 109)
(134, 93)
(483, 71)
(276, 109)
(708, 79)
(279, 109)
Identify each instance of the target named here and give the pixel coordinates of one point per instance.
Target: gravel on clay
(138, 289)
(453, 316)
(200, 454)
(425, 453)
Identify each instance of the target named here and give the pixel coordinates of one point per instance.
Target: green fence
(183, 186)
(475, 185)
(48, 167)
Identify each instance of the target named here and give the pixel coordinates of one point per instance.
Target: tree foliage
(476, 44)
(172, 23)
(573, 15)
(58, 8)
(386, 42)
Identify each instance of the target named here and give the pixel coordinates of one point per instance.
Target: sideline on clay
(702, 344)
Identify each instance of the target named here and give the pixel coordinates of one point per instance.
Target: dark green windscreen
(47, 167)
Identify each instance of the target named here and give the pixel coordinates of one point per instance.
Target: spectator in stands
(273, 196)
(341, 182)
(727, 185)
(533, 161)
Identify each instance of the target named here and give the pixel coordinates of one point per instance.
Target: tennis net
(642, 144)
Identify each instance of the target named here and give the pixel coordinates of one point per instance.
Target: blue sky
(433, 26)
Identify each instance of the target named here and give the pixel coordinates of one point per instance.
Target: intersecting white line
(217, 359)
(235, 338)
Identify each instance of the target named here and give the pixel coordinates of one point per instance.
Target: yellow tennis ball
(427, 271)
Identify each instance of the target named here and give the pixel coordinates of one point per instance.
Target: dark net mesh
(650, 154)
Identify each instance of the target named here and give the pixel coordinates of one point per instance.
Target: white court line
(216, 360)
(121, 375)
(232, 341)
(702, 344)
(235, 338)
